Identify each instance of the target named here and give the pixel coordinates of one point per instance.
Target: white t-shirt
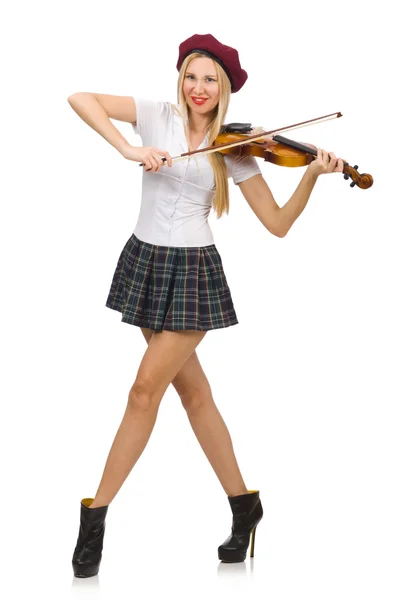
(176, 200)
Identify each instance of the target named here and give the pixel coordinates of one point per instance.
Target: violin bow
(252, 138)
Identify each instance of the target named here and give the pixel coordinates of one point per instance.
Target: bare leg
(214, 438)
(207, 423)
(164, 357)
(129, 443)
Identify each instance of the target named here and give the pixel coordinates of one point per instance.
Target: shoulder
(152, 107)
(151, 114)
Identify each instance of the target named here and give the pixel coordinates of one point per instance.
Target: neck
(198, 123)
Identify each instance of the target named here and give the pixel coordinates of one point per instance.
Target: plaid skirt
(173, 288)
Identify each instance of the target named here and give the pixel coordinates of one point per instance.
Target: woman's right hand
(149, 156)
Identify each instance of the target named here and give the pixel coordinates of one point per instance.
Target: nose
(199, 86)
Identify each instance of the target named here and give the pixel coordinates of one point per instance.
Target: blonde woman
(169, 279)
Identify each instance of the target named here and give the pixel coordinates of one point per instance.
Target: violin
(283, 152)
(279, 150)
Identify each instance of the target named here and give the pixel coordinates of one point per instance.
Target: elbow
(279, 231)
(280, 228)
(275, 230)
(76, 95)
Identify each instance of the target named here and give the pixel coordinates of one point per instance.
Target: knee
(140, 397)
(196, 399)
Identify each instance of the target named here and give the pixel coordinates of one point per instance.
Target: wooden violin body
(272, 151)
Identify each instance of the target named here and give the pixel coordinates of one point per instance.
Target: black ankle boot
(88, 552)
(247, 512)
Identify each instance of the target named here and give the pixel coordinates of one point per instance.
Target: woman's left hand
(326, 162)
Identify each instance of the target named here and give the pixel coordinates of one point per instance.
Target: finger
(166, 155)
(146, 164)
(159, 162)
(156, 160)
(326, 158)
(339, 166)
(151, 164)
(151, 159)
(320, 155)
(332, 162)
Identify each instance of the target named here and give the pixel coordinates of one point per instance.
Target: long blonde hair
(220, 202)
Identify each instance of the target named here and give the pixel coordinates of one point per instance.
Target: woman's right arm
(97, 109)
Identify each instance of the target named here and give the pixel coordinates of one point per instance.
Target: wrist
(311, 174)
(124, 148)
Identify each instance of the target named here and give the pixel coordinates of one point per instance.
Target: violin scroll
(362, 180)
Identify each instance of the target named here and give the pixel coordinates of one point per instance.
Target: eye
(193, 77)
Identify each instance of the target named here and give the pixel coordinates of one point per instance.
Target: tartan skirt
(172, 288)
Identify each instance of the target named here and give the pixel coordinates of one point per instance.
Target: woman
(169, 278)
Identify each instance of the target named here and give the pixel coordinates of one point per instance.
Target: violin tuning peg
(345, 176)
(355, 167)
(353, 183)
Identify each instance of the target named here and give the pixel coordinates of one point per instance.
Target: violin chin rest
(236, 128)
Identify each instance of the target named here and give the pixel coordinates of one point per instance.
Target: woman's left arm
(279, 220)
(260, 198)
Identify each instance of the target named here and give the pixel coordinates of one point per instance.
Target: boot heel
(252, 542)
(87, 554)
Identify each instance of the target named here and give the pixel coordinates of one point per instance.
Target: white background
(306, 382)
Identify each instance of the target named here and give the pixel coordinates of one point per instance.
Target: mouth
(198, 100)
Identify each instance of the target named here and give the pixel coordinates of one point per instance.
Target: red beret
(225, 56)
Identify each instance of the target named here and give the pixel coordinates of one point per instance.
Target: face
(201, 82)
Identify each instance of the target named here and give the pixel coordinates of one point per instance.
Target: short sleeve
(151, 120)
(241, 168)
